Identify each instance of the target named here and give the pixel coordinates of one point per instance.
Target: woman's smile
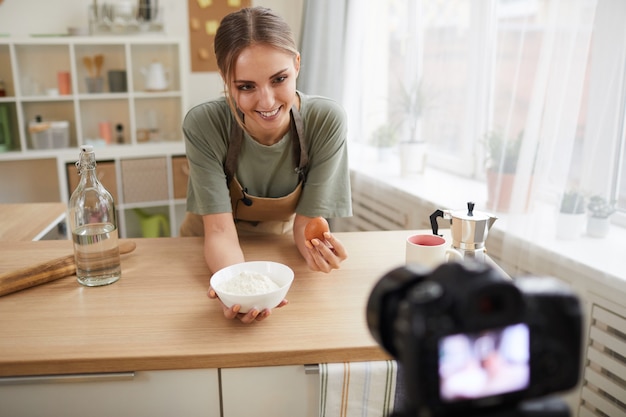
(269, 115)
(264, 88)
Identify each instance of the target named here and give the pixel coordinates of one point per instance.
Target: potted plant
(502, 158)
(570, 221)
(600, 211)
(384, 138)
(409, 104)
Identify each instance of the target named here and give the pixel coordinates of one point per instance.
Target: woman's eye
(280, 79)
(245, 87)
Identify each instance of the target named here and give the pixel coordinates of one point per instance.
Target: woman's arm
(319, 256)
(221, 249)
(221, 243)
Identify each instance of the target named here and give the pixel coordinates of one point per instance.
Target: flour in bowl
(249, 283)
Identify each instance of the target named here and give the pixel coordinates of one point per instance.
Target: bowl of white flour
(256, 284)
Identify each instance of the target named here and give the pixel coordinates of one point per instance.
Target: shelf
(151, 120)
(33, 89)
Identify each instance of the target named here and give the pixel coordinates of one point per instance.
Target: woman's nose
(266, 98)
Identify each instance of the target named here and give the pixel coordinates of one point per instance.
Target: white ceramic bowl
(281, 274)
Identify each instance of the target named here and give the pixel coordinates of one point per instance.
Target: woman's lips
(269, 115)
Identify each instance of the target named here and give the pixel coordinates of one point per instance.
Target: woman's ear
(296, 63)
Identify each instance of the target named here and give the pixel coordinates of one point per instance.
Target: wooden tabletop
(157, 316)
(29, 221)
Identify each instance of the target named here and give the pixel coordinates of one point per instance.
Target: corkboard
(204, 18)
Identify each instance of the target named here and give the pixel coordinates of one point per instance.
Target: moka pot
(468, 228)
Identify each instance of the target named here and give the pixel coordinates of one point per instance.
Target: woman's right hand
(249, 317)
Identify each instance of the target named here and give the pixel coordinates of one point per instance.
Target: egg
(315, 228)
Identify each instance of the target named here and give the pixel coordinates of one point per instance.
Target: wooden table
(29, 221)
(157, 316)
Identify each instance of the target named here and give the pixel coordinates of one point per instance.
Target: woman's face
(264, 88)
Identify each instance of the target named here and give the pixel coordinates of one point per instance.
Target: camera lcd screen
(484, 364)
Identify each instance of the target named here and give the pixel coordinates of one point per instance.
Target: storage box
(49, 135)
(144, 180)
(180, 174)
(105, 170)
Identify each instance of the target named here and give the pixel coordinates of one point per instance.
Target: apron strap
(234, 149)
(300, 155)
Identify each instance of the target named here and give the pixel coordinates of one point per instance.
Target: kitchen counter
(158, 317)
(29, 221)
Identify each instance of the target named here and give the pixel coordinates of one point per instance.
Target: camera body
(471, 340)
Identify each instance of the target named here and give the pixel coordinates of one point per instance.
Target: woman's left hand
(247, 318)
(325, 255)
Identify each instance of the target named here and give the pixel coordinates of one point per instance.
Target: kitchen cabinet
(273, 391)
(157, 324)
(191, 393)
(34, 70)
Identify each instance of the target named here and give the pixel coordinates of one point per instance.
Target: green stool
(153, 225)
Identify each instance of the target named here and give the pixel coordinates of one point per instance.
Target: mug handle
(453, 255)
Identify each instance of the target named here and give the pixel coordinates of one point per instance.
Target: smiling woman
(264, 96)
(266, 158)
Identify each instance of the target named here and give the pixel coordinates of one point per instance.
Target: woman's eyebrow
(270, 77)
(278, 73)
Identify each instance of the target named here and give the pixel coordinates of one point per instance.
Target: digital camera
(471, 341)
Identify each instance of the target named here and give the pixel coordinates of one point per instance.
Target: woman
(266, 158)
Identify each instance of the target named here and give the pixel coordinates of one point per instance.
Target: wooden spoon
(88, 62)
(48, 271)
(98, 60)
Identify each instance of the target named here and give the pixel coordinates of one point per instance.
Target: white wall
(21, 18)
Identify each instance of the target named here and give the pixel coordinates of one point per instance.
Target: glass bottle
(93, 223)
(119, 133)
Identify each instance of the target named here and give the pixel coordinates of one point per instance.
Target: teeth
(269, 113)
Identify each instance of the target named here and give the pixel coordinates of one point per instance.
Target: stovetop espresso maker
(469, 230)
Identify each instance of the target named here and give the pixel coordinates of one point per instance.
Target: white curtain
(548, 71)
(323, 45)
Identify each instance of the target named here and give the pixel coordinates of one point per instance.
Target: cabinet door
(189, 393)
(270, 391)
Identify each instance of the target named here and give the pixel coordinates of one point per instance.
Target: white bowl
(281, 274)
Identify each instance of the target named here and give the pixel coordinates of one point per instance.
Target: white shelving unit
(151, 122)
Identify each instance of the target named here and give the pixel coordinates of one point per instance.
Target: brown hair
(246, 27)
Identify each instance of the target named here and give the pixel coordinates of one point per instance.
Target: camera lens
(489, 304)
(425, 292)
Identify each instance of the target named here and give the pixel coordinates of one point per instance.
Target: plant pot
(500, 189)
(570, 226)
(598, 227)
(412, 158)
(384, 153)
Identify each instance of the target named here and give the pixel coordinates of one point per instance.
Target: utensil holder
(94, 84)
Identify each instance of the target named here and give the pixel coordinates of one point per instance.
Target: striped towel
(357, 389)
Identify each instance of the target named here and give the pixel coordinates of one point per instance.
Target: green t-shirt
(268, 171)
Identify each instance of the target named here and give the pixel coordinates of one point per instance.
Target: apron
(254, 214)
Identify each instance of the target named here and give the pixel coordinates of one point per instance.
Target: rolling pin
(31, 276)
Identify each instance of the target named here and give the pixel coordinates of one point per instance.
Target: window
(549, 72)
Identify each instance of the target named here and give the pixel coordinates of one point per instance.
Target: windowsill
(527, 241)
